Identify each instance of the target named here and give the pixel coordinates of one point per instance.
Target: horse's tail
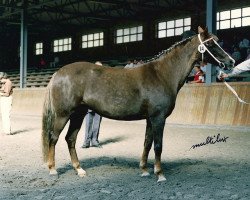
(47, 121)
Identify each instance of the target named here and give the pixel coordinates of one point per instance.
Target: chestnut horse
(145, 92)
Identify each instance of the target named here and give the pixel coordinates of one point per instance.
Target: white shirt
(201, 78)
(131, 65)
(242, 67)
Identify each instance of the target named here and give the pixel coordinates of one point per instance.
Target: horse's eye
(209, 44)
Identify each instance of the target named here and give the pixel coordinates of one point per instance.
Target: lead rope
(232, 90)
(202, 48)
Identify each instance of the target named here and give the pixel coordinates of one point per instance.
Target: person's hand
(224, 75)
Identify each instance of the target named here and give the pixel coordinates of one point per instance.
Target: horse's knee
(67, 138)
(158, 148)
(70, 141)
(148, 143)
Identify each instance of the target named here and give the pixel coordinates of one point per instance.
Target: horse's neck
(179, 62)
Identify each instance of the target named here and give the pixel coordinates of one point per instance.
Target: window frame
(39, 48)
(173, 27)
(231, 21)
(92, 40)
(62, 44)
(129, 34)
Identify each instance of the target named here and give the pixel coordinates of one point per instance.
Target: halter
(202, 48)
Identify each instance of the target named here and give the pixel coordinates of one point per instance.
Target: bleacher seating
(35, 78)
(41, 77)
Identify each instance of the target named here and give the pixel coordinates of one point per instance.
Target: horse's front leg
(147, 146)
(157, 128)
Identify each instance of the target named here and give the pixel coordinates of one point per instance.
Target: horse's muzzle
(227, 65)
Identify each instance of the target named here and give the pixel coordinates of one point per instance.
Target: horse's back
(91, 72)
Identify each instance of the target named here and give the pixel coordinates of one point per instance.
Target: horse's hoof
(81, 172)
(145, 174)
(161, 178)
(53, 172)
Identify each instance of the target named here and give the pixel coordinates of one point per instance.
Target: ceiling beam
(18, 9)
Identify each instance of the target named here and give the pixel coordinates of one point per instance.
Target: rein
(202, 48)
(232, 90)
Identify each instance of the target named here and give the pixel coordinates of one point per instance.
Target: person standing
(93, 121)
(6, 102)
(198, 75)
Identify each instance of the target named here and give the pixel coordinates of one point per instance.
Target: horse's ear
(203, 31)
(200, 30)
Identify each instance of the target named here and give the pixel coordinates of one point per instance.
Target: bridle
(202, 48)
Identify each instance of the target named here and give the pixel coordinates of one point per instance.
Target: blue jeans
(93, 121)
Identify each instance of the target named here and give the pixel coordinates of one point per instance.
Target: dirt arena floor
(214, 171)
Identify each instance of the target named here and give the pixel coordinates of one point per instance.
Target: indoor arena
(127, 99)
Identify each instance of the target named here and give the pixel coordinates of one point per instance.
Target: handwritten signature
(210, 140)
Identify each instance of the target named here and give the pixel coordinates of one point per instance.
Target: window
(92, 40)
(173, 27)
(62, 45)
(131, 34)
(233, 18)
(39, 48)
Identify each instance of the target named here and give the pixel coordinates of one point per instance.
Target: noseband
(202, 48)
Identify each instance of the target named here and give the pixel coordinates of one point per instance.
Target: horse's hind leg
(74, 127)
(157, 127)
(147, 146)
(58, 127)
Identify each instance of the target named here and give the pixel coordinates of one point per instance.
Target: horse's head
(211, 50)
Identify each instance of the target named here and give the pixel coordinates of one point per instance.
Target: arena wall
(216, 104)
(196, 104)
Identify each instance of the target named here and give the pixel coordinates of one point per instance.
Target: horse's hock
(196, 104)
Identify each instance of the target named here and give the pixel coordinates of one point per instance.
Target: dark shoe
(85, 146)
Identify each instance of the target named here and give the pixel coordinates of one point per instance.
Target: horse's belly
(123, 114)
(124, 117)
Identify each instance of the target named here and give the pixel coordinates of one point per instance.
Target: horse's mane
(166, 51)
